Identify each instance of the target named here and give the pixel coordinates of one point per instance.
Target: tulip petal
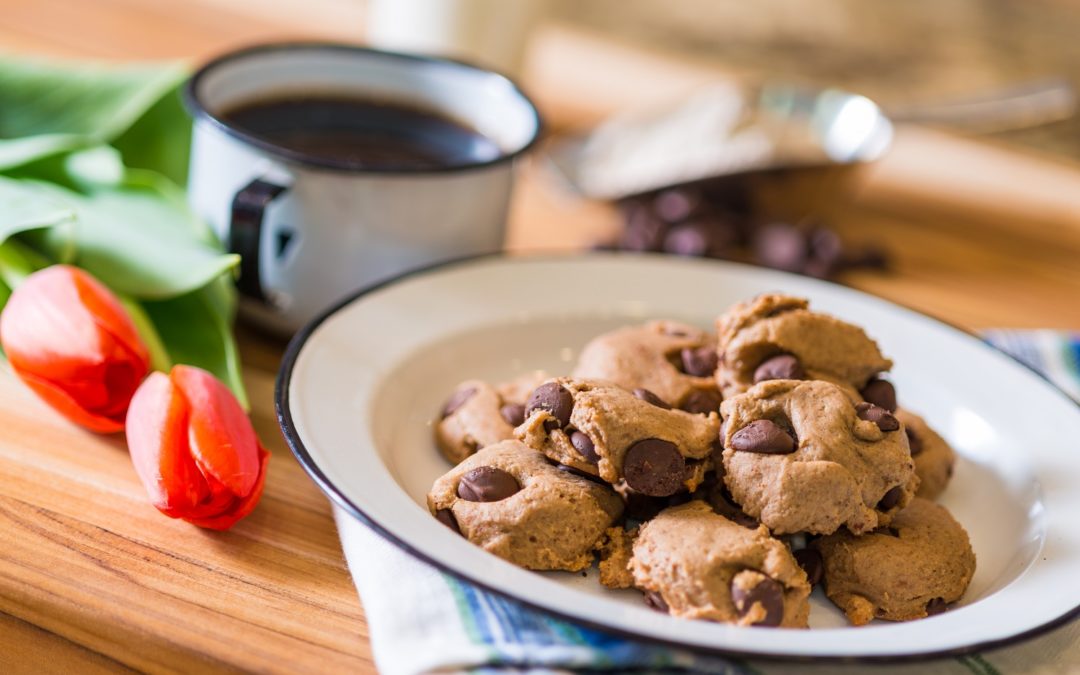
(52, 331)
(70, 335)
(157, 436)
(221, 437)
(67, 406)
(241, 507)
(110, 315)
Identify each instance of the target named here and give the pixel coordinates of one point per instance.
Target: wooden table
(93, 579)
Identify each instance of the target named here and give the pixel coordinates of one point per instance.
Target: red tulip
(72, 342)
(194, 448)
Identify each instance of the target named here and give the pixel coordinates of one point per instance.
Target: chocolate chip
(878, 415)
(584, 445)
(826, 247)
(722, 503)
(936, 606)
(643, 231)
(654, 467)
(891, 498)
(702, 401)
(675, 205)
(446, 517)
(487, 484)
(699, 362)
(782, 246)
(692, 240)
(764, 437)
(456, 400)
(555, 399)
(780, 367)
(812, 563)
(913, 441)
(642, 507)
(513, 413)
(881, 393)
(768, 593)
(655, 601)
(581, 474)
(649, 397)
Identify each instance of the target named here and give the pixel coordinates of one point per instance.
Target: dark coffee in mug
(362, 133)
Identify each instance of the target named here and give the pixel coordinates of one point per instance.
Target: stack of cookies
(722, 475)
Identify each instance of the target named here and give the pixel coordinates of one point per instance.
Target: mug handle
(245, 233)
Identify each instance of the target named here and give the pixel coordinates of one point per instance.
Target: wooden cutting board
(93, 579)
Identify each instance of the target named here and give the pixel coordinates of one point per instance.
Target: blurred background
(898, 53)
(979, 223)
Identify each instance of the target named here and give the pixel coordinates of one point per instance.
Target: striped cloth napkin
(422, 620)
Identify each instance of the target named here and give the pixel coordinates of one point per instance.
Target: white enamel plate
(360, 388)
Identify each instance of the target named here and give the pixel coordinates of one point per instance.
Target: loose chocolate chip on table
(810, 560)
(456, 400)
(675, 205)
(764, 437)
(878, 415)
(692, 240)
(913, 441)
(487, 484)
(780, 367)
(649, 397)
(826, 247)
(699, 362)
(936, 606)
(881, 393)
(554, 398)
(654, 467)
(446, 517)
(782, 247)
(891, 498)
(643, 231)
(654, 600)
(702, 401)
(513, 413)
(584, 445)
(768, 593)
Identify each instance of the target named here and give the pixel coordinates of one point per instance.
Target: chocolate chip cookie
(627, 439)
(913, 568)
(616, 548)
(512, 502)
(696, 564)
(934, 457)
(673, 361)
(800, 456)
(777, 337)
(478, 414)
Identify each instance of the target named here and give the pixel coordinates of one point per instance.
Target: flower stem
(18, 261)
(159, 356)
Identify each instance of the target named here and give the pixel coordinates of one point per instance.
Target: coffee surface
(363, 133)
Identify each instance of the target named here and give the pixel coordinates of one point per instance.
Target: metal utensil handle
(1018, 107)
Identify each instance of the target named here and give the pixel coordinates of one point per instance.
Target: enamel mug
(312, 229)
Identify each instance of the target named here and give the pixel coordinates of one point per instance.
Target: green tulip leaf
(194, 331)
(137, 239)
(48, 107)
(24, 209)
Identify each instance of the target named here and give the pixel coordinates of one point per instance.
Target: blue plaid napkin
(422, 620)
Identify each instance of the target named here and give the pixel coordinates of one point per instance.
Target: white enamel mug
(311, 229)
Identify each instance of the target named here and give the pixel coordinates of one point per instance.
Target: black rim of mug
(200, 112)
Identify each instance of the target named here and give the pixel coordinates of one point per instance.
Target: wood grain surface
(93, 579)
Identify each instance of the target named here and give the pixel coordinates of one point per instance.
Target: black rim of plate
(195, 107)
(292, 437)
